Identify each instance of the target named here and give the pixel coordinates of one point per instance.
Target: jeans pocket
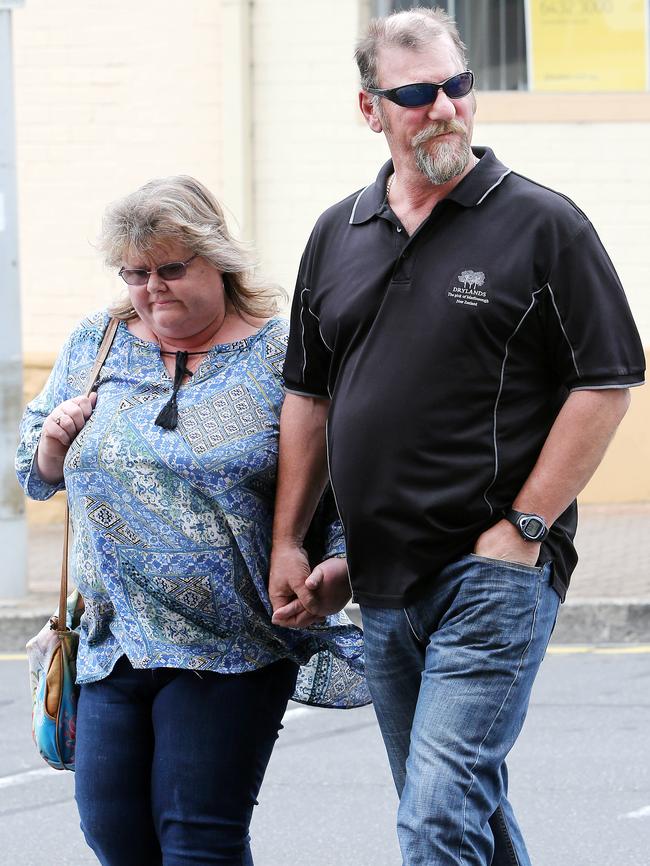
(507, 563)
(411, 620)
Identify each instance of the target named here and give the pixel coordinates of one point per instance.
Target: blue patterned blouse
(172, 528)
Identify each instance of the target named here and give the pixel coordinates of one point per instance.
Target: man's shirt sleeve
(591, 336)
(307, 364)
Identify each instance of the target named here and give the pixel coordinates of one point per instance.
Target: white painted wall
(312, 148)
(108, 95)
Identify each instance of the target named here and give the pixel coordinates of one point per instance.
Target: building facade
(258, 99)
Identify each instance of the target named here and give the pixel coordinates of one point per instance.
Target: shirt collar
(486, 175)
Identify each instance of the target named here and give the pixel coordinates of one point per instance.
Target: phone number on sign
(576, 7)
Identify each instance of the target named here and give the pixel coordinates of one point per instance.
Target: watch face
(533, 527)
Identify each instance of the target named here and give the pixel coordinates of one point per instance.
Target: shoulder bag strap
(109, 336)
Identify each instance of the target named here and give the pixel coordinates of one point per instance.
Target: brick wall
(311, 148)
(108, 95)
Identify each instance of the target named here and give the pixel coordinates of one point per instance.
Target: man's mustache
(438, 129)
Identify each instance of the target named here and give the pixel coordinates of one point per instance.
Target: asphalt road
(580, 777)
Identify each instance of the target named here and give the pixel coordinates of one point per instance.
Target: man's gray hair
(414, 28)
(180, 209)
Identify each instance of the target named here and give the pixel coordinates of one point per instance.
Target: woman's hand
(326, 590)
(60, 428)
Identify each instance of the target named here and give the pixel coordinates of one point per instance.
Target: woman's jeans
(450, 677)
(169, 762)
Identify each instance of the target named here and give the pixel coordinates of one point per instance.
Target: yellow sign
(588, 45)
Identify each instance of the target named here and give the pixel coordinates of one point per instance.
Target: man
(463, 334)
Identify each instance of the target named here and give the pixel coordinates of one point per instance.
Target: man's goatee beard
(451, 157)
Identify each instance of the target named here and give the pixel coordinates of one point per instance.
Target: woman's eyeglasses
(170, 271)
(417, 95)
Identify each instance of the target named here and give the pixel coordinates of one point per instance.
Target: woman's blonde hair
(181, 209)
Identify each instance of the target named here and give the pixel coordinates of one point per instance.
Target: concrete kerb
(580, 621)
(20, 620)
(603, 620)
(591, 621)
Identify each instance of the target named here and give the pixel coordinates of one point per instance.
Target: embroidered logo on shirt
(468, 289)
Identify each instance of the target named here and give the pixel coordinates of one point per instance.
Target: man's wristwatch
(531, 527)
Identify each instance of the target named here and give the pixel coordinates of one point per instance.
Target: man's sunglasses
(140, 276)
(417, 95)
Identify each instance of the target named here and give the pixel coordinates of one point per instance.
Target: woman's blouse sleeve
(333, 528)
(334, 539)
(55, 391)
(325, 538)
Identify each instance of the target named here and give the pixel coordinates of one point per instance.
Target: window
(550, 45)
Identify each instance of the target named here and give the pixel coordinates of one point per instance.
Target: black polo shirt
(447, 356)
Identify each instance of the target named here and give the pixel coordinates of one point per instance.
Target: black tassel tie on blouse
(168, 415)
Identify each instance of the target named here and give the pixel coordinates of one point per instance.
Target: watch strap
(521, 519)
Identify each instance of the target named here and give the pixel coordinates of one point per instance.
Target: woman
(170, 474)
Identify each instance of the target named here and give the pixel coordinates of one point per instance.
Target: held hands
(302, 597)
(502, 541)
(60, 428)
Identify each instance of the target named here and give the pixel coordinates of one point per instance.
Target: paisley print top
(172, 528)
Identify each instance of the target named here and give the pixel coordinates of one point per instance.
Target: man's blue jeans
(450, 677)
(169, 762)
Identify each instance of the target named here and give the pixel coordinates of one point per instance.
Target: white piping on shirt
(498, 397)
(494, 186)
(303, 393)
(302, 334)
(559, 318)
(503, 368)
(336, 502)
(606, 387)
(354, 209)
(319, 328)
(304, 304)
